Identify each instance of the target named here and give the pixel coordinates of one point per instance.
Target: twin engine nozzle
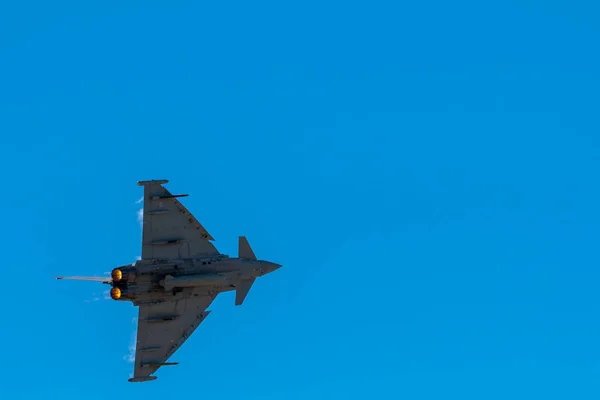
(122, 274)
(121, 277)
(116, 293)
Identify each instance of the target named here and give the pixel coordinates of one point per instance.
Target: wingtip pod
(153, 182)
(143, 379)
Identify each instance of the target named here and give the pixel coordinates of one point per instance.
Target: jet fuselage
(147, 281)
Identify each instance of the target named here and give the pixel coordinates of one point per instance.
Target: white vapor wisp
(140, 217)
(130, 356)
(96, 298)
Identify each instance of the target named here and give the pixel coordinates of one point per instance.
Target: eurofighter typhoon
(178, 277)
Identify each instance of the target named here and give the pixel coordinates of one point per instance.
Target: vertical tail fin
(242, 291)
(244, 249)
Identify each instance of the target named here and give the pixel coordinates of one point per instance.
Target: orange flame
(117, 275)
(115, 293)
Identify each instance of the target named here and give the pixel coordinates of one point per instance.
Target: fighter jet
(179, 275)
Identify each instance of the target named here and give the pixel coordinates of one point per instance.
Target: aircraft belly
(193, 280)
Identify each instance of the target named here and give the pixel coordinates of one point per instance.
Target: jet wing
(163, 328)
(170, 231)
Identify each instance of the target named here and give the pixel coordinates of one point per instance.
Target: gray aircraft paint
(178, 277)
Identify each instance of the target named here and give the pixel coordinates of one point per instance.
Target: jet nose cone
(266, 267)
(273, 267)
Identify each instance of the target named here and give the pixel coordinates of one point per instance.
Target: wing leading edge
(170, 231)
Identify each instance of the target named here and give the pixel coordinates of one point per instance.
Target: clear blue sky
(427, 173)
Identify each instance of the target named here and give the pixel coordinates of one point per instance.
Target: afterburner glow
(116, 275)
(115, 293)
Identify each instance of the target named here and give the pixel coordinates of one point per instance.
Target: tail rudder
(244, 249)
(242, 290)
